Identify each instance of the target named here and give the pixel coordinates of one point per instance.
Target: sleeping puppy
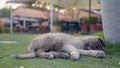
(61, 45)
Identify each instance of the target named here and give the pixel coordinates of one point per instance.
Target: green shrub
(5, 29)
(84, 20)
(0, 29)
(56, 23)
(93, 20)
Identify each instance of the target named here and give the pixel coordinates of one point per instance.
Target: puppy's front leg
(93, 53)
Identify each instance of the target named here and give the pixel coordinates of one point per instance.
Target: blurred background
(42, 16)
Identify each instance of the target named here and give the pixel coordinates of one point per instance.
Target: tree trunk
(111, 20)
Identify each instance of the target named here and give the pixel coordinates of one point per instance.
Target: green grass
(112, 59)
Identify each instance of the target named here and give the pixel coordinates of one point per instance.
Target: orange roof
(30, 13)
(85, 13)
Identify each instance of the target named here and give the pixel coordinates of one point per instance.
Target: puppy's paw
(100, 54)
(50, 56)
(65, 55)
(74, 55)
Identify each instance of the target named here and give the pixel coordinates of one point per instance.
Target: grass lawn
(112, 59)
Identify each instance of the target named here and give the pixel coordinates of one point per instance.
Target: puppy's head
(94, 43)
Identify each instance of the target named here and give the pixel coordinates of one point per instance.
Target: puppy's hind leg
(42, 54)
(70, 49)
(62, 55)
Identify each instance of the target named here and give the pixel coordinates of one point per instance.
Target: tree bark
(111, 20)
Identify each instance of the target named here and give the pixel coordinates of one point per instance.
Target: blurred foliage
(29, 5)
(56, 22)
(0, 29)
(4, 12)
(5, 29)
(84, 20)
(93, 20)
(98, 1)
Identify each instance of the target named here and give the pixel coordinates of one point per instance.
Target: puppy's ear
(102, 41)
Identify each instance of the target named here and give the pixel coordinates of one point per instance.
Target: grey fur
(61, 45)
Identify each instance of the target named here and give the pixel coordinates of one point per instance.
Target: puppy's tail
(24, 56)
